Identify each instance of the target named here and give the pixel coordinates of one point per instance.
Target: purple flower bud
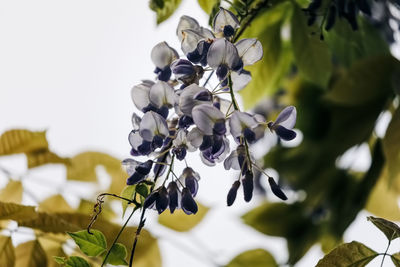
(248, 186)
(188, 204)
(222, 71)
(232, 193)
(276, 189)
(228, 31)
(185, 121)
(192, 184)
(162, 200)
(174, 196)
(145, 167)
(150, 200)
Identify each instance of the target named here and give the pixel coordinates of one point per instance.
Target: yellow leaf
(207, 5)
(391, 149)
(383, 200)
(7, 255)
(83, 168)
(22, 141)
(12, 211)
(55, 203)
(30, 254)
(86, 207)
(43, 156)
(254, 258)
(52, 247)
(12, 192)
(180, 221)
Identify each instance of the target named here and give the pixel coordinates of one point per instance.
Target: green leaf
(30, 254)
(268, 73)
(142, 190)
(180, 221)
(396, 259)
(21, 141)
(12, 211)
(91, 244)
(390, 229)
(364, 83)
(59, 260)
(117, 255)
(128, 193)
(391, 148)
(207, 5)
(75, 261)
(353, 254)
(312, 55)
(44, 156)
(253, 258)
(164, 8)
(12, 192)
(7, 255)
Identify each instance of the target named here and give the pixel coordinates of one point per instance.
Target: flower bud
(232, 193)
(276, 189)
(248, 186)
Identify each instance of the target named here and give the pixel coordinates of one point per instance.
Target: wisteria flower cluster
(180, 116)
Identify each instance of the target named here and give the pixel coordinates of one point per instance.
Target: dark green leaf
(253, 258)
(91, 244)
(164, 8)
(142, 190)
(75, 261)
(117, 255)
(390, 229)
(396, 259)
(352, 254)
(366, 81)
(312, 55)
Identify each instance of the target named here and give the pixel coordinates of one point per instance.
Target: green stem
(233, 99)
(118, 235)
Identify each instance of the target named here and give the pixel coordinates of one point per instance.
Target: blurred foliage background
(343, 87)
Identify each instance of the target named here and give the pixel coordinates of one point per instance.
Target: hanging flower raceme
(177, 116)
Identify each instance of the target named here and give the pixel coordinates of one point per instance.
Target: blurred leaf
(352, 254)
(22, 141)
(396, 259)
(383, 200)
(364, 82)
(117, 255)
(43, 156)
(390, 229)
(50, 222)
(59, 260)
(253, 258)
(83, 168)
(180, 221)
(164, 8)
(52, 245)
(348, 46)
(12, 211)
(7, 255)
(207, 5)
(267, 74)
(312, 56)
(86, 207)
(30, 254)
(128, 193)
(91, 244)
(75, 261)
(55, 203)
(391, 148)
(12, 192)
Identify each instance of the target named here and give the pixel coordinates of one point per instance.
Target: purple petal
(205, 116)
(284, 133)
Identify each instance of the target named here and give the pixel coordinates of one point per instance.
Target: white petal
(162, 94)
(180, 138)
(225, 105)
(135, 139)
(136, 121)
(240, 120)
(206, 33)
(205, 115)
(240, 81)
(140, 95)
(224, 17)
(287, 117)
(153, 124)
(222, 52)
(186, 100)
(162, 55)
(195, 137)
(129, 165)
(190, 39)
(185, 23)
(250, 51)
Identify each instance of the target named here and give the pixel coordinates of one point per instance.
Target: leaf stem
(385, 253)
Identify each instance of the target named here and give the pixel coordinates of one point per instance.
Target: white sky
(68, 67)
